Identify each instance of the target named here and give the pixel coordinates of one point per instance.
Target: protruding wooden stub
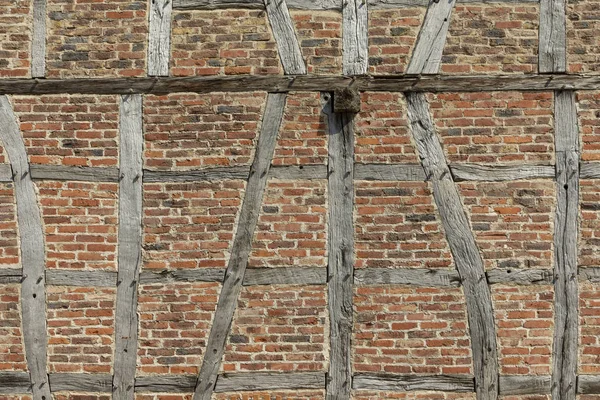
(130, 245)
(427, 54)
(340, 186)
(285, 37)
(33, 292)
(346, 100)
(566, 322)
(159, 37)
(462, 245)
(552, 37)
(355, 52)
(242, 245)
(38, 45)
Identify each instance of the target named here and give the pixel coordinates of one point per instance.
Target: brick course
(589, 223)
(9, 241)
(320, 37)
(12, 347)
(417, 395)
(15, 36)
(273, 395)
(589, 343)
(588, 110)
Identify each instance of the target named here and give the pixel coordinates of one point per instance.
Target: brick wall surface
(588, 110)
(80, 396)
(589, 310)
(320, 38)
(81, 329)
(15, 36)
(417, 395)
(273, 395)
(12, 348)
(9, 241)
(589, 223)
(583, 20)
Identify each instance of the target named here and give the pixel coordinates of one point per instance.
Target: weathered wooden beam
(427, 54)
(286, 276)
(14, 382)
(520, 276)
(409, 383)
(130, 245)
(33, 256)
(591, 274)
(11, 275)
(206, 174)
(462, 244)
(340, 272)
(183, 275)
(270, 381)
(241, 248)
(389, 172)
(588, 384)
(566, 320)
(63, 277)
(101, 383)
(282, 27)
(159, 37)
(512, 385)
(293, 172)
(5, 173)
(406, 276)
(496, 173)
(355, 41)
(552, 36)
(589, 170)
(74, 173)
(38, 45)
(166, 383)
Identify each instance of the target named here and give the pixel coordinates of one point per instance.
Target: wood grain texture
(355, 41)
(389, 172)
(552, 36)
(159, 37)
(101, 383)
(285, 37)
(462, 244)
(5, 173)
(292, 172)
(427, 54)
(409, 383)
(497, 173)
(130, 245)
(38, 44)
(183, 275)
(14, 382)
(11, 275)
(589, 170)
(340, 247)
(270, 381)
(520, 276)
(166, 384)
(566, 320)
(65, 277)
(33, 257)
(422, 277)
(205, 174)
(523, 385)
(588, 384)
(591, 274)
(74, 173)
(286, 276)
(242, 244)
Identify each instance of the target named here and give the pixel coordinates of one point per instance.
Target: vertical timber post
(159, 37)
(38, 45)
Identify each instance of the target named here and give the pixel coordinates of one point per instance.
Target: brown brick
(15, 36)
(12, 349)
(417, 395)
(273, 395)
(320, 36)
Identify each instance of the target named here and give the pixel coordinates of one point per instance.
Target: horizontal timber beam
(304, 83)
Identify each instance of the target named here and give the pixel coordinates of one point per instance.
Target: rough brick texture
(273, 395)
(81, 327)
(80, 396)
(12, 348)
(589, 223)
(190, 225)
(184, 131)
(417, 395)
(320, 36)
(382, 130)
(589, 310)
(80, 223)
(397, 225)
(392, 36)
(175, 321)
(513, 222)
(291, 230)
(70, 129)
(15, 36)
(9, 245)
(92, 39)
(588, 110)
(404, 330)
(489, 127)
(492, 39)
(583, 22)
(279, 328)
(218, 42)
(524, 325)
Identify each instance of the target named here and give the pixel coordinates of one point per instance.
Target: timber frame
(341, 172)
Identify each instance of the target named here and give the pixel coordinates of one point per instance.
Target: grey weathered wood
(11, 275)
(33, 257)
(38, 45)
(270, 381)
(73, 173)
(427, 54)
(165, 384)
(159, 37)
(205, 174)
(130, 245)
(408, 383)
(566, 320)
(552, 36)
(523, 384)
(406, 276)
(520, 276)
(589, 170)
(496, 173)
(14, 382)
(340, 247)
(65, 277)
(5, 173)
(81, 382)
(317, 4)
(591, 274)
(355, 41)
(293, 172)
(389, 172)
(286, 276)
(588, 384)
(285, 37)
(462, 244)
(241, 248)
(183, 275)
